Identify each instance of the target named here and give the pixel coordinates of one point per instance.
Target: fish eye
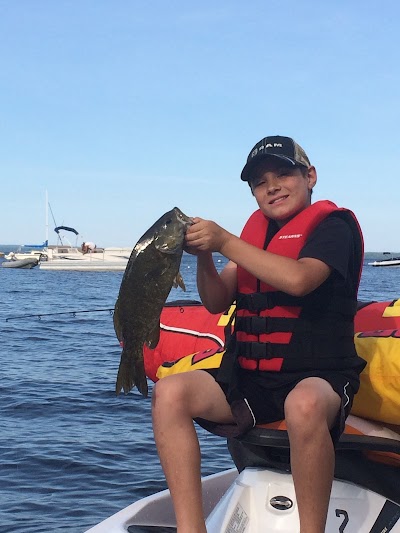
(167, 222)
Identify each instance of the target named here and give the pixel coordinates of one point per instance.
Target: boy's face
(282, 190)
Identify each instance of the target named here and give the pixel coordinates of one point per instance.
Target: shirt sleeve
(332, 243)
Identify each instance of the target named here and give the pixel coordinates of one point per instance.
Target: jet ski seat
(369, 461)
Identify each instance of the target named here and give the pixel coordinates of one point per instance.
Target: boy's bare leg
(176, 401)
(310, 411)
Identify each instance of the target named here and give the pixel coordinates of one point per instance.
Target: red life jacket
(275, 331)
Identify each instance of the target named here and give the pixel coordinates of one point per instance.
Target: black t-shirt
(332, 242)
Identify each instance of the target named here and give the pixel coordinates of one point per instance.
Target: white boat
(72, 258)
(259, 496)
(389, 262)
(25, 263)
(68, 257)
(20, 256)
(395, 262)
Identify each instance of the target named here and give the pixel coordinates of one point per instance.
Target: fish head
(170, 231)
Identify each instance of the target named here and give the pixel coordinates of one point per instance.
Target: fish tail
(141, 379)
(125, 377)
(131, 373)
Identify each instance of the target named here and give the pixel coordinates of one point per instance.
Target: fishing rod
(72, 313)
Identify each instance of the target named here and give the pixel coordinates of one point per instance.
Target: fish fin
(178, 282)
(154, 337)
(130, 373)
(117, 322)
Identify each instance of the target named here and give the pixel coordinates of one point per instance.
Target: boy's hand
(204, 236)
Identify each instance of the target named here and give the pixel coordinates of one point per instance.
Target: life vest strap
(257, 325)
(257, 351)
(259, 301)
(261, 350)
(263, 365)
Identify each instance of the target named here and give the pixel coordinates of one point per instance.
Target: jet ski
(258, 495)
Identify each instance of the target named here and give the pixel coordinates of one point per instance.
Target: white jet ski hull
(259, 500)
(264, 501)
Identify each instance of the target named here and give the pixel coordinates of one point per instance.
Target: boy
(294, 274)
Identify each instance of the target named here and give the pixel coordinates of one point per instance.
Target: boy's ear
(311, 177)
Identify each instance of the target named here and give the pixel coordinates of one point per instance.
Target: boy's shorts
(260, 397)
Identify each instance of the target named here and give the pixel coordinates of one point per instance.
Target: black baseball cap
(284, 148)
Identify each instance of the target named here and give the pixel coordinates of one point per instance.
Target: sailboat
(67, 256)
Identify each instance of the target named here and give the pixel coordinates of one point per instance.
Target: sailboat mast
(47, 219)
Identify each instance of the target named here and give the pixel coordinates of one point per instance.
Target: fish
(151, 272)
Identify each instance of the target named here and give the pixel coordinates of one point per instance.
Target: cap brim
(250, 166)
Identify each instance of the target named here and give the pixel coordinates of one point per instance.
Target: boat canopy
(65, 228)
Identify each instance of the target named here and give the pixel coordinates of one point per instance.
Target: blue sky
(123, 109)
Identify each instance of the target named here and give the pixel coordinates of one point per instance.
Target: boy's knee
(301, 408)
(168, 391)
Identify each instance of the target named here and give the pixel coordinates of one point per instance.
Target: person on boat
(88, 247)
(294, 274)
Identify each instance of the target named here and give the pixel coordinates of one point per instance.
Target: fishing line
(72, 313)
(176, 303)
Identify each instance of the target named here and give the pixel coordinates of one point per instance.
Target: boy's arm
(295, 277)
(217, 291)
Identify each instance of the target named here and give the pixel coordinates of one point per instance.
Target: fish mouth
(185, 221)
(165, 249)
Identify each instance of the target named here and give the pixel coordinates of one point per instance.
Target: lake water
(71, 452)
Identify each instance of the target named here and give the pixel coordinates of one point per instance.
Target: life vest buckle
(256, 301)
